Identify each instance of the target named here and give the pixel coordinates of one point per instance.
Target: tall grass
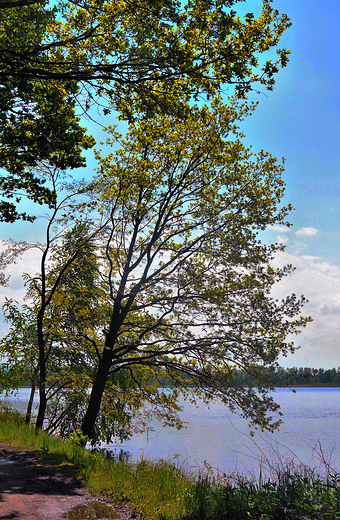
(156, 489)
(14, 431)
(296, 494)
(164, 491)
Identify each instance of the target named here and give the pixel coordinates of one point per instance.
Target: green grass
(294, 494)
(154, 489)
(164, 491)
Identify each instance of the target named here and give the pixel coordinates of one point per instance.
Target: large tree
(56, 338)
(190, 280)
(125, 55)
(166, 277)
(171, 283)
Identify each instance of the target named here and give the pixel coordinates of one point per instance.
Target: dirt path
(30, 490)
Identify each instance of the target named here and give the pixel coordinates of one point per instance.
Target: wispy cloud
(306, 232)
(282, 239)
(27, 263)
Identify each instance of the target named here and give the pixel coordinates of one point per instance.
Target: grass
(152, 488)
(296, 494)
(164, 491)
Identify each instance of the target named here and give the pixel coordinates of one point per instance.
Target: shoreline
(311, 385)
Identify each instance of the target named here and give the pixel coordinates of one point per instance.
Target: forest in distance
(299, 376)
(281, 377)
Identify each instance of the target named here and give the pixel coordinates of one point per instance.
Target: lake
(311, 422)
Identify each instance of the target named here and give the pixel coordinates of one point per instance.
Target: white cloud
(306, 232)
(27, 263)
(319, 282)
(280, 229)
(282, 239)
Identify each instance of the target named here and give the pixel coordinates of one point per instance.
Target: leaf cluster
(37, 116)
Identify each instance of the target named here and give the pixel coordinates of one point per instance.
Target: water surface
(311, 425)
(310, 433)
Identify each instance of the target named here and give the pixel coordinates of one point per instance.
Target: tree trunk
(42, 407)
(42, 377)
(30, 401)
(92, 411)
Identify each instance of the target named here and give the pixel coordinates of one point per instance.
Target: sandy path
(30, 490)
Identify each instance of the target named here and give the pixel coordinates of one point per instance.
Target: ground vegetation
(165, 490)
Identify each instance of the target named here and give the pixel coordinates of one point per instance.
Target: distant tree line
(278, 377)
(296, 376)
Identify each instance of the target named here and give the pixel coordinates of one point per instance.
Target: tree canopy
(158, 271)
(121, 55)
(190, 280)
(132, 44)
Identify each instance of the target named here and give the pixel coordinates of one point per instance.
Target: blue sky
(299, 120)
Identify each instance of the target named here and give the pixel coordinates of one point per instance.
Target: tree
(125, 55)
(45, 325)
(44, 341)
(18, 350)
(136, 45)
(179, 280)
(66, 294)
(189, 279)
(57, 337)
(45, 287)
(60, 327)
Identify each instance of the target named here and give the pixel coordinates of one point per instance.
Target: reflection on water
(311, 420)
(311, 423)
(91, 511)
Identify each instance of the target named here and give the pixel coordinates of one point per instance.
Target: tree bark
(42, 407)
(92, 411)
(42, 378)
(30, 401)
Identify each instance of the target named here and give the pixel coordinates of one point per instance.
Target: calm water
(20, 399)
(311, 419)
